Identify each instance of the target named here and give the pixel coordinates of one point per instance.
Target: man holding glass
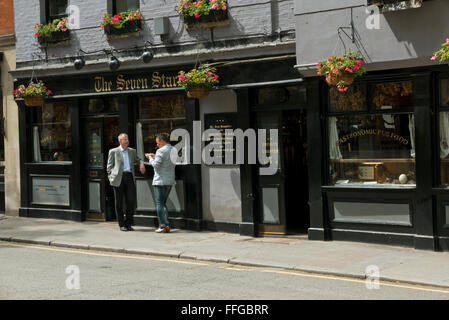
(164, 179)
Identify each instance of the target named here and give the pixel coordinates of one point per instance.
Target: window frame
(367, 86)
(48, 17)
(114, 7)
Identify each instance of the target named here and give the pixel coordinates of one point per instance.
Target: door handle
(250, 196)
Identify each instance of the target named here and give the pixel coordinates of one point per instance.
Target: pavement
(336, 258)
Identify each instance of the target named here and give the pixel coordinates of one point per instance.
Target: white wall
(220, 184)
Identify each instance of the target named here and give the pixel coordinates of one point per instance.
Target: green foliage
(201, 77)
(189, 8)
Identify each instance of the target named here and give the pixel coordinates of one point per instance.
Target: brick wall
(7, 17)
(249, 19)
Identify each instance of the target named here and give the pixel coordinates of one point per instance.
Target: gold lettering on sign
(120, 82)
(156, 80)
(101, 85)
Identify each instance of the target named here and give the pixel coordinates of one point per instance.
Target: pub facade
(64, 144)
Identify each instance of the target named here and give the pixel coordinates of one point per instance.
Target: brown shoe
(167, 229)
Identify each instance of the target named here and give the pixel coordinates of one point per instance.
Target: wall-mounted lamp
(147, 55)
(79, 61)
(114, 63)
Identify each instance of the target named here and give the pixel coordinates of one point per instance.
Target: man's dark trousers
(127, 189)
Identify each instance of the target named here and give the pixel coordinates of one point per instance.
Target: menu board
(221, 122)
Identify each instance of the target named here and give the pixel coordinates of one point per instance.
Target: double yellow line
(230, 268)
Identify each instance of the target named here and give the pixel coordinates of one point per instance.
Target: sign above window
(395, 5)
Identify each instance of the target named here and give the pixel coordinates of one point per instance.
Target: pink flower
(224, 8)
(215, 6)
(319, 73)
(356, 68)
(37, 34)
(130, 18)
(447, 41)
(359, 62)
(215, 77)
(433, 58)
(181, 77)
(197, 15)
(348, 70)
(49, 91)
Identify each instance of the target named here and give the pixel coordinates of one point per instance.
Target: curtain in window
(334, 149)
(444, 134)
(36, 145)
(411, 128)
(139, 140)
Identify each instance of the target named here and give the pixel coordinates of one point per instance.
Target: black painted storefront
(427, 202)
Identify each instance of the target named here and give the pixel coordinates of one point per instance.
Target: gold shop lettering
(380, 132)
(122, 83)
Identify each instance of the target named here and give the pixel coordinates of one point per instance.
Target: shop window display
(370, 144)
(444, 132)
(51, 133)
(158, 115)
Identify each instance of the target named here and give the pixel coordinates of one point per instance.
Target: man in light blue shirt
(163, 180)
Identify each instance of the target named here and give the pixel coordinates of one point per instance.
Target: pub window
(444, 132)
(370, 141)
(56, 9)
(124, 5)
(2, 138)
(51, 133)
(158, 115)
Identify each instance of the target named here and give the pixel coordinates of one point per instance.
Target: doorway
(100, 135)
(283, 196)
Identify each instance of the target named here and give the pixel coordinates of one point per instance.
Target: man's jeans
(161, 195)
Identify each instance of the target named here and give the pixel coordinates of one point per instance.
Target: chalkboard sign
(221, 122)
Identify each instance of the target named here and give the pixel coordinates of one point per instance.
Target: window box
(128, 27)
(214, 19)
(55, 37)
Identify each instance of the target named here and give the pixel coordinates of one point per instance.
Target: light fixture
(114, 63)
(79, 61)
(147, 55)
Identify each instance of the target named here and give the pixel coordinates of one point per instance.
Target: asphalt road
(39, 272)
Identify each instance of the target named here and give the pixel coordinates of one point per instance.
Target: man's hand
(142, 168)
(150, 155)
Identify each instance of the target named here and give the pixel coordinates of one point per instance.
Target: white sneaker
(160, 230)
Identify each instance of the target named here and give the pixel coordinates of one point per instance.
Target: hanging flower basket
(342, 70)
(348, 79)
(198, 82)
(123, 23)
(36, 101)
(34, 94)
(205, 13)
(443, 54)
(198, 92)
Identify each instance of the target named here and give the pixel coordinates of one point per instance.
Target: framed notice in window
(224, 142)
(50, 190)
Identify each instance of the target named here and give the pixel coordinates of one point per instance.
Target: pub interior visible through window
(372, 135)
(51, 135)
(158, 115)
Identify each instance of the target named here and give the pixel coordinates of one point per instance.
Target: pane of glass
(270, 121)
(51, 132)
(111, 132)
(354, 99)
(444, 147)
(95, 156)
(160, 115)
(57, 7)
(372, 149)
(126, 5)
(444, 92)
(392, 95)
